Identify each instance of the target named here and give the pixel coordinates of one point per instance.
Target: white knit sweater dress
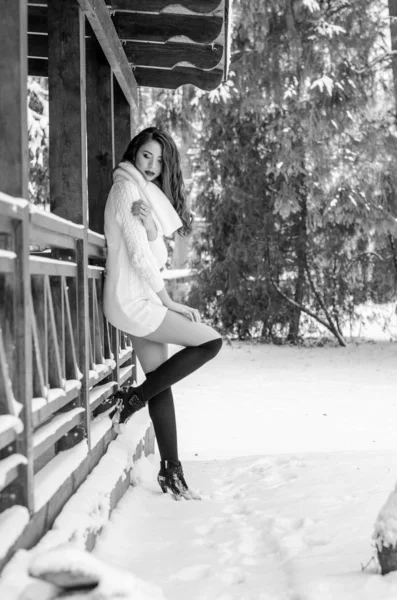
(133, 265)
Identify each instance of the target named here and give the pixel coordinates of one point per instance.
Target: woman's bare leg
(177, 329)
(151, 354)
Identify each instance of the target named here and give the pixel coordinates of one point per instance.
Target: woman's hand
(190, 313)
(142, 211)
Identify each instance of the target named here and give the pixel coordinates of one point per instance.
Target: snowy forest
(293, 180)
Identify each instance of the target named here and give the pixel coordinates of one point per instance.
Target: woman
(147, 201)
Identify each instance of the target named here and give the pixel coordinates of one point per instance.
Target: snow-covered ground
(294, 451)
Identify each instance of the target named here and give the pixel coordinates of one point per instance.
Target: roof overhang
(162, 43)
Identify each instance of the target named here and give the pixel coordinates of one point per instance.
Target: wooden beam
(121, 123)
(160, 28)
(197, 6)
(141, 54)
(167, 56)
(14, 154)
(68, 156)
(172, 79)
(99, 132)
(100, 21)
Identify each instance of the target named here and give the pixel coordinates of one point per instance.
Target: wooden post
(23, 369)
(68, 155)
(99, 131)
(14, 154)
(123, 122)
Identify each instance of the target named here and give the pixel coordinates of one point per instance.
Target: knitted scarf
(152, 195)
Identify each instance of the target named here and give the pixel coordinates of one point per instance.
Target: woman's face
(149, 160)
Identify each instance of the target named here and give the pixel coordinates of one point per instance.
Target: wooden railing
(59, 357)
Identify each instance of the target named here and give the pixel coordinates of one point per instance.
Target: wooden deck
(59, 357)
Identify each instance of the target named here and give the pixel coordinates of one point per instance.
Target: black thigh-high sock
(162, 413)
(177, 367)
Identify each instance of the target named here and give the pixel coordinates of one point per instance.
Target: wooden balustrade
(53, 375)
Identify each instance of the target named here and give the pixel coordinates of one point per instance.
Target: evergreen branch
(310, 313)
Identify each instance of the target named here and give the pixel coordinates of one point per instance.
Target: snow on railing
(67, 352)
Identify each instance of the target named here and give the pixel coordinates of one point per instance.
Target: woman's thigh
(177, 329)
(150, 354)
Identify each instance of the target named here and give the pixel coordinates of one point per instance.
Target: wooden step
(9, 426)
(43, 408)
(51, 432)
(9, 469)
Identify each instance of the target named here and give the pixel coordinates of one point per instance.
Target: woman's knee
(213, 346)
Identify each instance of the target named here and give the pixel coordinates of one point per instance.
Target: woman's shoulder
(123, 188)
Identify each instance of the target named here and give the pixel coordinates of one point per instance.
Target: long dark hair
(170, 179)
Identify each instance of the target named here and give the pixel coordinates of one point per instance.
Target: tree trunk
(301, 250)
(393, 36)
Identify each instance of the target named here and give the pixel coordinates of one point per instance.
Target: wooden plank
(145, 54)
(7, 260)
(197, 6)
(13, 208)
(6, 391)
(172, 79)
(38, 383)
(54, 355)
(125, 355)
(168, 55)
(115, 348)
(22, 384)
(105, 372)
(160, 28)
(100, 21)
(125, 374)
(7, 434)
(9, 469)
(51, 432)
(99, 320)
(83, 343)
(71, 366)
(100, 393)
(14, 155)
(46, 222)
(40, 325)
(57, 399)
(99, 133)
(49, 266)
(96, 244)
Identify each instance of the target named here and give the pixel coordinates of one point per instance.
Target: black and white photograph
(198, 300)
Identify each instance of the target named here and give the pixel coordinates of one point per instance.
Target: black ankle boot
(171, 479)
(128, 403)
